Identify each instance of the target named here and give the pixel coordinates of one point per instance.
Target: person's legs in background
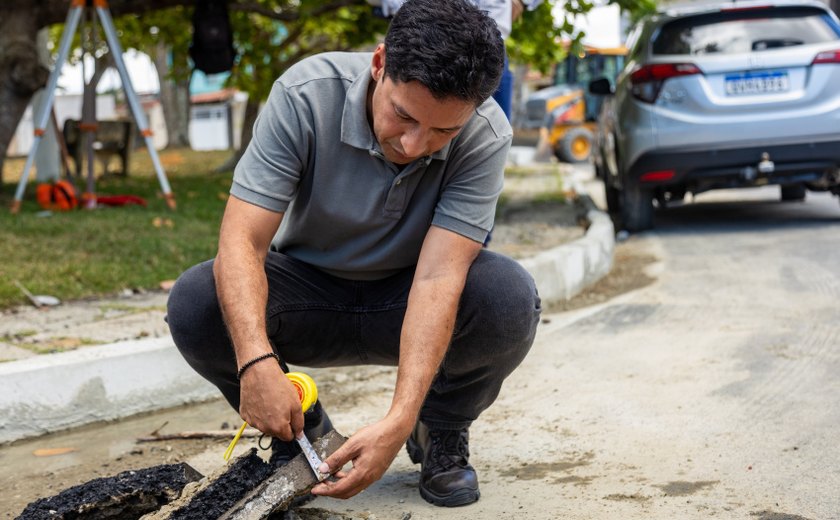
(504, 97)
(504, 94)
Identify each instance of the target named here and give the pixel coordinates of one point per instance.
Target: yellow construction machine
(565, 113)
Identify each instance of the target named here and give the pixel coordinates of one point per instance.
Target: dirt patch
(531, 222)
(539, 471)
(628, 498)
(527, 227)
(627, 274)
(770, 515)
(575, 480)
(682, 488)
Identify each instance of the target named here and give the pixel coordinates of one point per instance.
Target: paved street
(711, 393)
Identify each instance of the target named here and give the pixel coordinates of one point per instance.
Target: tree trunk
(21, 73)
(252, 109)
(174, 97)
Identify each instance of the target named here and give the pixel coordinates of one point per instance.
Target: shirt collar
(355, 130)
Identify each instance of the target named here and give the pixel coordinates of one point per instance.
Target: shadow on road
(726, 213)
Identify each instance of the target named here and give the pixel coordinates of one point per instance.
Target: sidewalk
(136, 368)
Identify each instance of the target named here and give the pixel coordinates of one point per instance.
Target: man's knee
(192, 309)
(501, 298)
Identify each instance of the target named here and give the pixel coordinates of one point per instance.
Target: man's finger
(296, 425)
(285, 434)
(346, 487)
(339, 458)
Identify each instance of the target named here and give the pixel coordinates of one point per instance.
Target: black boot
(316, 424)
(446, 477)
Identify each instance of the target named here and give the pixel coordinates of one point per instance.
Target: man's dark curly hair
(449, 46)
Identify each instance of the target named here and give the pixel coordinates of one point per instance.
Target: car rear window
(749, 30)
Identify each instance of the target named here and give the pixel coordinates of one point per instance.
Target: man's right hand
(269, 402)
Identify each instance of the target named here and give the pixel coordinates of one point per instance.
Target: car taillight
(827, 57)
(658, 176)
(647, 81)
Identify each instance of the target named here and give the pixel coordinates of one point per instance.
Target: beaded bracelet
(254, 361)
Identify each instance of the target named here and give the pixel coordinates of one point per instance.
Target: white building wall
(66, 106)
(209, 127)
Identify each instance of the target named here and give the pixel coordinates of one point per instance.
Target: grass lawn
(84, 253)
(88, 253)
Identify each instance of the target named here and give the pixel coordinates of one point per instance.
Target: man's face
(407, 120)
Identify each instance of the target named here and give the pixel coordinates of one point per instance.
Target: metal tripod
(77, 7)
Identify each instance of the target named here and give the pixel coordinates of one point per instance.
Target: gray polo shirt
(348, 210)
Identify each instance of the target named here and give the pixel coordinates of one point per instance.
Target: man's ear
(377, 63)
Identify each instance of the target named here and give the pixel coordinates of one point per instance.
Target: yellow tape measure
(305, 386)
(307, 393)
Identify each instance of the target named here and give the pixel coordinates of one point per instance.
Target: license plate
(757, 83)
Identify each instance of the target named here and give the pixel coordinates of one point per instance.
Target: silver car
(725, 96)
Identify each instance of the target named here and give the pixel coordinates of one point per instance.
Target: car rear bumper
(815, 163)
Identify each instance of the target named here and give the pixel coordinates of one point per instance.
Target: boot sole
(459, 498)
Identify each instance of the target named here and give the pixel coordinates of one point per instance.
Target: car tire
(576, 146)
(793, 192)
(636, 208)
(613, 196)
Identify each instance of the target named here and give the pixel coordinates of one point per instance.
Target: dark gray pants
(317, 320)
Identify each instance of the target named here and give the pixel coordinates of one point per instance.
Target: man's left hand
(371, 450)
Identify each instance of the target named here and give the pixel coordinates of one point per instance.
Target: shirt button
(399, 181)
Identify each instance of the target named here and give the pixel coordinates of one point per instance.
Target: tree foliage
(267, 47)
(539, 40)
(169, 27)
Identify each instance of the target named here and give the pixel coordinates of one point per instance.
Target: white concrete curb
(57, 391)
(52, 392)
(564, 271)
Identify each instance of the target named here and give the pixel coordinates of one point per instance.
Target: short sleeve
(268, 173)
(474, 178)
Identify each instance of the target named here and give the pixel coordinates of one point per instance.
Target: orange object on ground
(57, 196)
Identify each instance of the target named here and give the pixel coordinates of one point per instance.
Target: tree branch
(295, 14)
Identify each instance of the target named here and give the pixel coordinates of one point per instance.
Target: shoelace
(449, 448)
